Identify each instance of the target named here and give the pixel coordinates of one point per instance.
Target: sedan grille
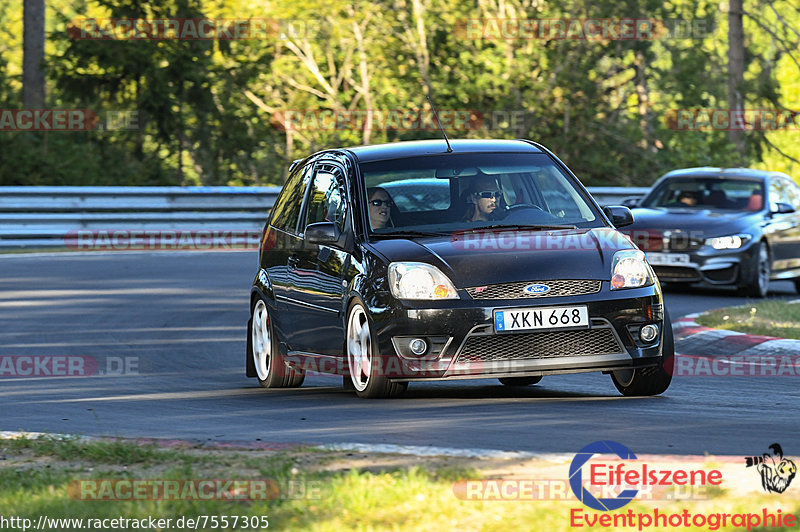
(674, 272)
(541, 345)
(562, 287)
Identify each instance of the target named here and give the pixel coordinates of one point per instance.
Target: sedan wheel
(652, 380)
(271, 370)
(363, 362)
(758, 283)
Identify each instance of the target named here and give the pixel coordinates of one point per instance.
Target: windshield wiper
(534, 227)
(409, 234)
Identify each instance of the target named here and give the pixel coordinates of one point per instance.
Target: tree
(33, 88)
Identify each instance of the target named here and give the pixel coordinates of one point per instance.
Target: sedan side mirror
(782, 208)
(620, 216)
(631, 202)
(322, 233)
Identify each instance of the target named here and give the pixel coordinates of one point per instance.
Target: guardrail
(45, 217)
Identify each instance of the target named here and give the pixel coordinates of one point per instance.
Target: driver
(482, 200)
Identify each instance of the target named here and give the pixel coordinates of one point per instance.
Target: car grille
(563, 287)
(671, 272)
(655, 241)
(540, 345)
(684, 244)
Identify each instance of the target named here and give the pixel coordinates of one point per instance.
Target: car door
(283, 241)
(317, 270)
(791, 238)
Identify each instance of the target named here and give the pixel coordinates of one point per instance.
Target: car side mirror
(782, 208)
(631, 202)
(620, 216)
(322, 233)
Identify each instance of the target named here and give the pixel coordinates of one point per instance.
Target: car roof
(421, 148)
(723, 173)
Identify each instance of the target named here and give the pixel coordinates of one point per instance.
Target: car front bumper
(706, 265)
(463, 344)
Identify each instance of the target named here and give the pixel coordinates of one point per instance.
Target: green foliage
(214, 112)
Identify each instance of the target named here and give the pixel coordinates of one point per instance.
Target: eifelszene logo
(608, 475)
(776, 471)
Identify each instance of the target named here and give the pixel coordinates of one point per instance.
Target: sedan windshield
(700, 193)
(445, 193)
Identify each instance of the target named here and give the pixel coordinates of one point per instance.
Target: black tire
(797, 285)
(268, 363)
(519, 381)
(756, 282)
(367, 375)
(655, 379)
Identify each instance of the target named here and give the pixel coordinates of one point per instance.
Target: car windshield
(446, 193)
(700, 193)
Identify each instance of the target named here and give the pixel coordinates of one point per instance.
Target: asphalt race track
(163, 335)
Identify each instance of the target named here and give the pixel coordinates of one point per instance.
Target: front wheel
(757, 283)
(652, 380)
(363, 359)
(271, 370)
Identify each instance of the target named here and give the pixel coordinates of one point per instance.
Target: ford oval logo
(536, 289)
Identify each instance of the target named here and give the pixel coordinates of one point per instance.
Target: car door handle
(293, 261)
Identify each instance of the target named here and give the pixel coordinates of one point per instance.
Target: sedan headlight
(417, 280)
(729, 242)
(629, 269)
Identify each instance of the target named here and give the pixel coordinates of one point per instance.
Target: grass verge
(316, 490)
(780, 319)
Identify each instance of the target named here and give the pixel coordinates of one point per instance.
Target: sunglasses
(487, 194)
(378, 202)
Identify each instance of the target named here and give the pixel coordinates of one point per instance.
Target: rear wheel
(271, 370)
(363, 359)
(519, 381)
(652, 380)
(797, 285)
(756, 283)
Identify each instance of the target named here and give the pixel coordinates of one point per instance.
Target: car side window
(286, 211)
(793, 193)
(327, 201)
(777, 194)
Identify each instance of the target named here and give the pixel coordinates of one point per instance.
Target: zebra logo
(776, 471)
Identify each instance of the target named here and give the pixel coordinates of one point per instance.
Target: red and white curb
(705, 352)
(692, 339)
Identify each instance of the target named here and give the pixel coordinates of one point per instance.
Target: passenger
(380, 205)
(482, 200)
(688, 198)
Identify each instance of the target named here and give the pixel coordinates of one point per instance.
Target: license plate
(527, 319)
(668, 259)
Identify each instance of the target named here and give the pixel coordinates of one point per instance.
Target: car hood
(486, 257)
(707, 223)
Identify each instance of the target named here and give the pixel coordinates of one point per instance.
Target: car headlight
(729, 242)
(417, 280)
(629, 269)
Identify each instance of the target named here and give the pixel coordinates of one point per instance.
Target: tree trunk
(736, 73)
(33, 93)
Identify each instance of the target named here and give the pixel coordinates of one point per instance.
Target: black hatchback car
(721, 226)
(413, 261)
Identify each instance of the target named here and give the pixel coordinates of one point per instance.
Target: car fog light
(648, 333)
(418, 346)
